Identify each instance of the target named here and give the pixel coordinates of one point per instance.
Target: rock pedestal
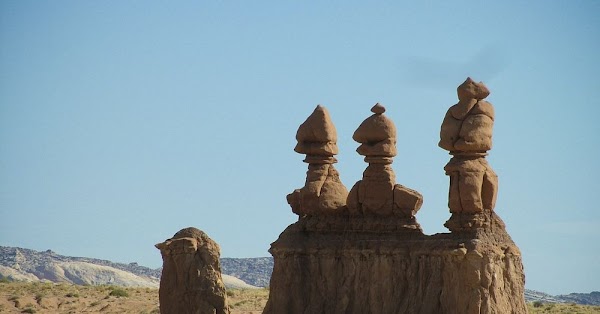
(354, 265)
(371, 256)
(191, 276)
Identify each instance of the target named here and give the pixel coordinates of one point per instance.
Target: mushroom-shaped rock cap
(317, 135)
(470, 89)
(375, 128)
(317, 128)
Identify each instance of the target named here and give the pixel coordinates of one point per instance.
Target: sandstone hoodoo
(323, 192)
(467, 134)
(377, 193)
(191, 277)
(369, 255)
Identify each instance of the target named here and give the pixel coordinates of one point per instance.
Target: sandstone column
(377, 193)
(191, 280)
(323, 192)
(466, 133)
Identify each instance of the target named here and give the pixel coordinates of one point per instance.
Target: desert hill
(20, 264)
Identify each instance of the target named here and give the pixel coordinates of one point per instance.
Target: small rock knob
(378, 109)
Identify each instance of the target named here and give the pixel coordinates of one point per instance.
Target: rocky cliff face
(351, 270)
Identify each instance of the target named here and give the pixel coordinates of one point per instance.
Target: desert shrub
(538, 304)
(230, 293)
(94, 303)
(4, 279)
(118, 292)
(72, 295)
(28, 310)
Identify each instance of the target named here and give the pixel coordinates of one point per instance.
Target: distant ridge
(28, 265)
(22, 264)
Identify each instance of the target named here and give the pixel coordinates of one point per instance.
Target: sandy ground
(61, 298)
(17, 297)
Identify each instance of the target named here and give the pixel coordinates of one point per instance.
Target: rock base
(348, 264)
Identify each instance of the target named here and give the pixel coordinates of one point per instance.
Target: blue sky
(122, 122)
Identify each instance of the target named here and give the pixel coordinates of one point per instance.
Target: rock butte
(367, 253)
(191, 276)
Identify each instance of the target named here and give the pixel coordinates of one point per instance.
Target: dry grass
(554, 308)
(19, 297)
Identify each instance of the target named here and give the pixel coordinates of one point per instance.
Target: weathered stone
(473, 185)
(374, 264)
(317, 135)
(466, 133)
(372, 256)
(191, 276)
(377, 134)
(323, 191)
(377, 193)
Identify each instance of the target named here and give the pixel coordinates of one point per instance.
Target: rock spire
(323, 191)
(377, 193)
(466, 133)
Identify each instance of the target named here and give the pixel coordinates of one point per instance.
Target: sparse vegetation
(558, 308)
(42, 298)
(118, 292)
(15, 294)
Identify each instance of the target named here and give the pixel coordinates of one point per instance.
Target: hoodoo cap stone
(375, 128)
(377, 134)
(471, 89)
(317, 135)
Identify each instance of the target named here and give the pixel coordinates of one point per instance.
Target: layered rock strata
(375, 266)
(191, 279)
(371, 256)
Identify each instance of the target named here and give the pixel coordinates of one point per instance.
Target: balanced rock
(323, 191)
(191, 276)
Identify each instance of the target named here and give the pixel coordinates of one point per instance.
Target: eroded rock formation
(466, 133)
(191, 277)
(377, 193)
(371, 255)
(323, 192)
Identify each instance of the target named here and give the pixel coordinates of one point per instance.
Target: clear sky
(122, 122)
